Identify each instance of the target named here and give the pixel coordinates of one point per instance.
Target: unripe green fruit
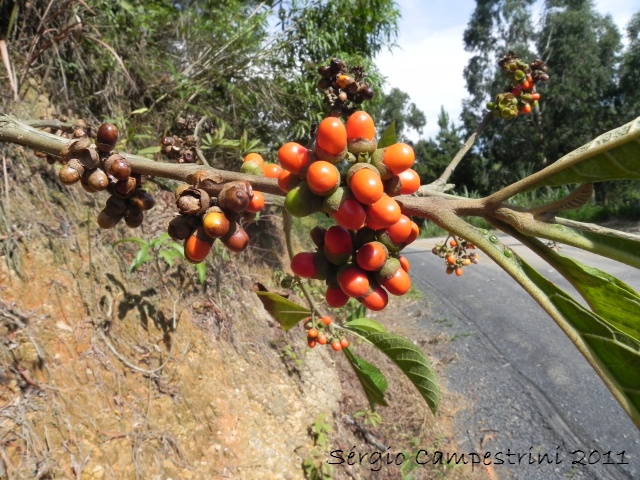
(300, 201)
(383, 237)
(377, 158)
(251, 168)
(387, 270)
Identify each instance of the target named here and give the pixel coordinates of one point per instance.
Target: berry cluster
(521, 96)
(203, 218)
(321, 332)
(341, 85)
(350, 179)
(182, 146)
(456, 255)
(98, 167)
(79, 129)
(254, 164)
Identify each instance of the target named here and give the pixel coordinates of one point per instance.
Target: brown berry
(107, 137)
(133, 217)
(107, 219)
(97, 179)
(142, 199)
(117, 166)
(236, 241)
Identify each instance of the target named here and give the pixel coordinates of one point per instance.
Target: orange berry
(410, 181)
(384, 213)
(287, 180)
(337, 241)
(459, 271)
(293, 157)
(371, 256)
(311, 342)
(400, 231)
(322, 339)
(360, 125)
(257, 202)
(526, 109)
(336, 345)
(322, 177)
(535, 96)
(197, 246)
(271, 170)
(376, 300)
(344, 343)
(398, 284)
(312, 333)
(335, 298)
(453, 243)
(331, 136)
(366, 186)
(215, 224)
(467, 261)
(415, 231)
(398, 157)
(353, 281)
(255, 158)
(404, 263)
(350, 214)
(451, 259)
(327, 320)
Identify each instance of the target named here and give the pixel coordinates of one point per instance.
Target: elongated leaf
(170, 256)
(287, 313)
(371, 378)
(365, 324)
(617, 354)
(141, 258)
(201, 269)
(614, 155)
(389, 136)
(612, 299)
(137, 240)
(408, 358)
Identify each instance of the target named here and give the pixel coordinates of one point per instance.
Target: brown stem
(441, 183)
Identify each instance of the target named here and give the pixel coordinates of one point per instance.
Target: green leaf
(408, 358)
(608, 296)
(287, 313)
(389, 136)
(365, 324)
(141, 258)
(614, 155)
(140, 111)
(159, 240)
(201, 269)
(149, 151)
(137, 240)
(616, 353)
(169, 256)
(371, 378)
(359, 312)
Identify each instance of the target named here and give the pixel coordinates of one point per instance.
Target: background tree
(396, 106)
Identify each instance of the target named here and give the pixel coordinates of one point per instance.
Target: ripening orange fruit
(375, 300)
(404, 263)
(336, 298)
(255, 158)
(197, 246)
(371, 256)
(360, 125)
(271, 170)
(410, 181)
(415, 231)
(400, 231)
(366, 186)
(257, 202)
(398, 157)
(215, 224)
(293, 157)
(331, 136)
(398, 284)
(353, 281)
(383, 213)
(322, 177)
(287, 180)
(350, 214)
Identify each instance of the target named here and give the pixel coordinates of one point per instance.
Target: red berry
(353, 281)
(335, 297)
(350, 214)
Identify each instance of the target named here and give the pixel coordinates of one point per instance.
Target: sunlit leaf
(389, 136)
(408, 358)
(287, 313)
(365, 324)
(201, 269)
(614, 155)
(141, 258)
(371, 378)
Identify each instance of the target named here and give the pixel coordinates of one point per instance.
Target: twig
(151, 373)
(441, 183)
(196, 134)
(6, 179)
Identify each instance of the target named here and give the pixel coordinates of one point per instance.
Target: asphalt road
(526, 389)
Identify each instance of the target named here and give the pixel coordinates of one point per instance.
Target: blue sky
(430, 34)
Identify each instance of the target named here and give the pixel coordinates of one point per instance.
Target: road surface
(531, 401)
